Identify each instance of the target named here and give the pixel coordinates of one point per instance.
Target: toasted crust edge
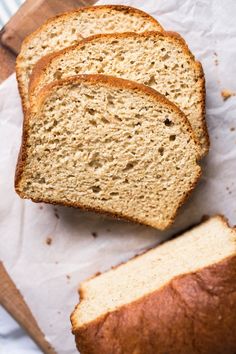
(65, 15)
(41, 65)
(111, 82)
(152, 304)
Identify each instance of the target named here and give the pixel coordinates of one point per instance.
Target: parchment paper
(83, 243)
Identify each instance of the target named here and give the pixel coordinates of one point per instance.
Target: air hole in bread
(90, 111)
(117, 118)
(130, 165)
(96, 189)
(95, 164)
(165, 57)
(89, 96)
(172, 137)
(151, 81)
(110, 100)
(77, 70)
(168, 122)
(120, 57)
(104, 120)
(114, 193)
(57, 75)
(93, 122)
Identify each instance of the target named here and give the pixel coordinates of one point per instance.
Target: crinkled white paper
(84, 243)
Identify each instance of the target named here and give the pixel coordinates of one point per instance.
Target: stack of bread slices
(114, 115)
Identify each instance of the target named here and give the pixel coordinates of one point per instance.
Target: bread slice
(177, 298)
(66, 29)
(108, 145)
(160, 60)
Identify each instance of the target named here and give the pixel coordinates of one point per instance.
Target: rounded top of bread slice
(108, 145)
(206, 245)
(162, 61)
(66, 29)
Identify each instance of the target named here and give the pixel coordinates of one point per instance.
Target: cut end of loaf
(206, 245)
(108, 145)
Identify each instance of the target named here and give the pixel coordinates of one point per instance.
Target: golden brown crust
(193, 314)
(21, 89)
(41, 66)
(111, 82)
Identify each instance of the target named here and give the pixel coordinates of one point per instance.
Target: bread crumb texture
(159, 60)
(109, 145)
(67, 29)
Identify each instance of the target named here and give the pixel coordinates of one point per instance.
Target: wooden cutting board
(30, 16)
(12, 300)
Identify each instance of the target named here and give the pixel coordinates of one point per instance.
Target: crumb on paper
(232, 129)
(94, 234)
(228, 190)
(56, 213)
(56, 262)
(40, 207)
(68, 276)
(216, 61)
(205, 217)
(59, 312)
(48, 241)
(227, 94)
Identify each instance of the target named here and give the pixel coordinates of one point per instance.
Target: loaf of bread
(108, 145)
(177, 298)
(66, 29)
(160, 60)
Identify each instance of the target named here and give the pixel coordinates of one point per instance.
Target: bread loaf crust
(41, 66)
(111, 82)
(193, 314)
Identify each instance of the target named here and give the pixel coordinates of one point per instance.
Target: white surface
(13, 339)
(7, 9)
(40, 270)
